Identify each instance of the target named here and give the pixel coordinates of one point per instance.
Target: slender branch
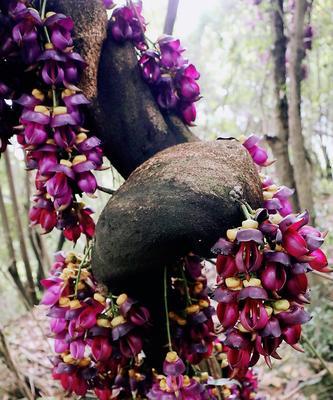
(12, 269)
(105, 190)
(316, 353)
(323, 275)
(12, 366)
(171, 16)
(17, 216)
(83, 261)
(166, 308)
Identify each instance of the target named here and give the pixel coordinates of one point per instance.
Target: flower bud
(104, 323)
(68, 359)
(233, 283)
(193, 309)
(204, 303)
(84, 362)
(252, 282)
(250, 224)
(269, 310)
(59, 110)
(64, 302)
(67, 163)
(276, 218)
(121, 299)
(119, 320)
(81, 137)
(42, 109)
(171, 357)
(79, 159)
(38, 94)
(232, 233)
(281, 305)
(98, 297)
(268, 195)
(73, 304)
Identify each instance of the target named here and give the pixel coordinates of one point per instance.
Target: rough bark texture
(280, 142)
(301, 167)
(130, 124)
(176, 202)
(123, 112)
(90, 20)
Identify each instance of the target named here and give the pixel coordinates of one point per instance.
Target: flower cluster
(262, 284)
(247, 388)
(276, 198)
(127, 23)
(10, 72)
(175, 385)
(191, 313)
(258, 153)
(172, 79)
(98, 340)
(52, 119)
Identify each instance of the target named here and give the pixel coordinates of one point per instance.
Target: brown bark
(301, 168)
(280, 142)
(171, 17)
(123, 112)
(176, 202)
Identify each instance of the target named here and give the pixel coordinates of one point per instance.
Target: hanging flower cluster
(174, 385)
(276, 198)
(173, 80)
(190, 313)
(51, 121)
(10, 74)
(98, 337)
(127, 23)
(262, 281)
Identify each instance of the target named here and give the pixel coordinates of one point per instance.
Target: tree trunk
(279, 143)
(301, 168)
(171, 17)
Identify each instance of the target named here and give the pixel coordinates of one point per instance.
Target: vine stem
(245, 211)
(83, 261)
(316, 353)
(188, 297)
(166, 307)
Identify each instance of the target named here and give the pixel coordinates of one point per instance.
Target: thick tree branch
(123, 112)
(280, 143)
(176, 202)
(301, 166)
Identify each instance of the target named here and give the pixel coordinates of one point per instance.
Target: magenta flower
(58, 187)
(150, 66)
(60, 27)
(77, 349)
(54, 287)
(171, 51)
(258, 154)
(52, 70)
(101, 348)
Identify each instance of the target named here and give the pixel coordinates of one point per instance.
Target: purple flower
(59, 189)
(258, 154)
(60, 28)
(53, 67)
(149, 63)
(171, 51)
(166, 93)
